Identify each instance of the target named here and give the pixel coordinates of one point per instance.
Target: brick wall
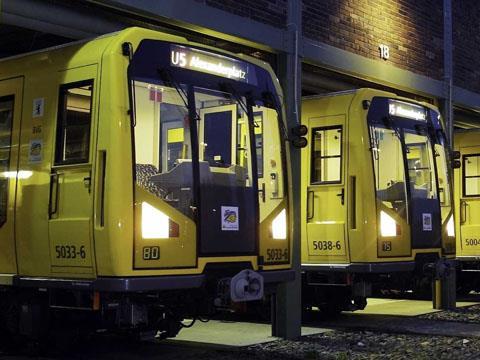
(412, 29)
(270, 12)
(466, 42)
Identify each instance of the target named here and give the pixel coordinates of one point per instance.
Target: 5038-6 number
(70, 252)
(327, 245)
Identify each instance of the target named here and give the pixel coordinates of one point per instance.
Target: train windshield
(405, 157)
(444, 183)
(206, 131)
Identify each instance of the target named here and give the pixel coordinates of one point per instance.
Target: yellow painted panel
(175, 135)
(326, 239)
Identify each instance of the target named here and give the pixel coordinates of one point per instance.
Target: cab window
(471, 175)
(6, 118)
(73, 124)
(326, 157)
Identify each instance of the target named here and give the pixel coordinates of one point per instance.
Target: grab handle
(463, 211)
(53, 199)
(310, 205)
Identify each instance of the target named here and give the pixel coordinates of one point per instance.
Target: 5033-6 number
(70, 252)
(327, 245)
(277, 254)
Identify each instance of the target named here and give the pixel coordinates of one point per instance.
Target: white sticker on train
(229, 218)
(427, 221)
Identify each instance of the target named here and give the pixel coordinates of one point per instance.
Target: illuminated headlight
(157, 225)
(279, 226)
(450, 227)
(388, 226)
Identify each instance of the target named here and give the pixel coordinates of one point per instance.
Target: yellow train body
(65, 219)
(358, 216)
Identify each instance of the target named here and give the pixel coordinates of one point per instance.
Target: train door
(10, 116)
(470, 200)
(326, 209)
(228, 209)
(71, 191)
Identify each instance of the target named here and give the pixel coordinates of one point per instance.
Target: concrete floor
(218, 333)
(401, 307)
(225, 333)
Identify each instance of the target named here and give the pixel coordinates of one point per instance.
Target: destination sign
(210, 63)
(407, 110)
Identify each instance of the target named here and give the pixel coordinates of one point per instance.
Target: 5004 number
(327, 245)
(472, 242)
(70, 252)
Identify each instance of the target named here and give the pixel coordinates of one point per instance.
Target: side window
(471, 175)
(73, 124)
(326, 160)
(6, 119)
(258, 131)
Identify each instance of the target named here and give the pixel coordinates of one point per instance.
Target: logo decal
(229, 218)
(427, 221)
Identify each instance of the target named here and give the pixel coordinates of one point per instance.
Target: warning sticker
(38, 107)
(229, 218)
(427, 221)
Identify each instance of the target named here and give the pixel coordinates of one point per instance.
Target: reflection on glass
(389, 169)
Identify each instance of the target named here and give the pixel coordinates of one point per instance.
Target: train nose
(247, 285)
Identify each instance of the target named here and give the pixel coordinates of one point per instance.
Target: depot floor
(238, 334)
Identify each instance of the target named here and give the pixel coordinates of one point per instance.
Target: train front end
(383, 169)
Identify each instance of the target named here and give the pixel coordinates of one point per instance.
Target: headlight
(450, 227)
(279, 226)
(157, 225)
(388, 226)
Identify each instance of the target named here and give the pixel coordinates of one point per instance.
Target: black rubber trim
(133, 284)
(362, 267)
(277, 276)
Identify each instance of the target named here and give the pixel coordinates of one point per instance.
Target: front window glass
(388, 163)
(471, 175)
(6, 119)
(420, 166)
(223, 138)
(162, 145)
(443, 181)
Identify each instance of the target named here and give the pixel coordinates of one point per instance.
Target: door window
(6, 119)
(74, 121)
(326, 158)
(471, 175)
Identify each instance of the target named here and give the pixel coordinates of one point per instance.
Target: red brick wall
(412, 29)
(466, 42)
(271, 12)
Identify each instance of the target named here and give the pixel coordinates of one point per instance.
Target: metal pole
(448, 68)
(287, 321)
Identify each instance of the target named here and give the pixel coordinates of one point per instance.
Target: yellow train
(377, 200)
(467, 205)
(143, 180)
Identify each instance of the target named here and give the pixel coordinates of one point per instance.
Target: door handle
(463, 211)
(87, 182)
(342, 196)
(310, 205)
(262, 190)
(53, 198)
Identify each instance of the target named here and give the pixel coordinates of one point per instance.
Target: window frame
(464, 177)
(6, 99)
(61, 123)
(312, 158)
